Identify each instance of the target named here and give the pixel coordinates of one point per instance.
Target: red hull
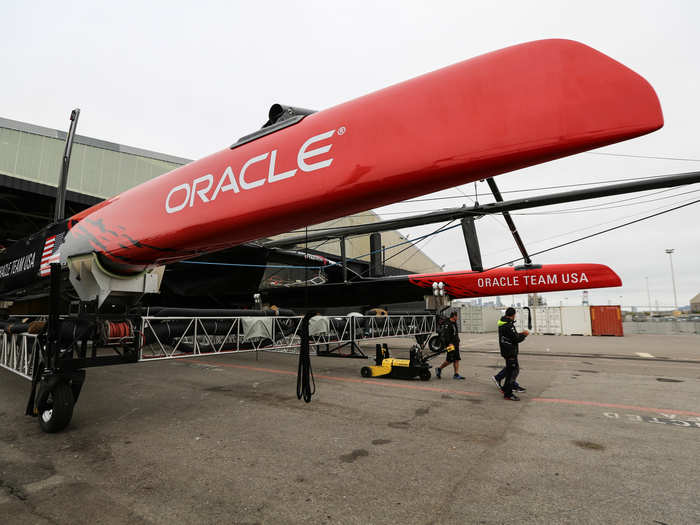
(509, 281)
(495, 113)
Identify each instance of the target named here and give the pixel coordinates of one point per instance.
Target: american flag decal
(51, 253)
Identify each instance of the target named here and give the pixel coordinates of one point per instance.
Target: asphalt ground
(604, 434)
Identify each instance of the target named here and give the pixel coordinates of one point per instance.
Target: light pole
(648, 296)
(669, 251)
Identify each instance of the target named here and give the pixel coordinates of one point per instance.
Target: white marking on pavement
(643, 354)
(663, 419)
(49, 482)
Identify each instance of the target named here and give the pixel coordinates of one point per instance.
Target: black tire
(60, 403)
(424, 375)
(366, 371)
(435, 344)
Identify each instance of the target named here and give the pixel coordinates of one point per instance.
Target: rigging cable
(582, 229)
(610, 205)
(599, 233)
(441, 229)
(601, 206)
(525, 190)
(639, 156)
(432, 234)
(632, 179)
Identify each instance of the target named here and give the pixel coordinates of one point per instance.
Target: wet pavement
(608, 432)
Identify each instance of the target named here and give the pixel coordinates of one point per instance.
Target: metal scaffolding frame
(281, 334)
(202, 336)
(17, 353)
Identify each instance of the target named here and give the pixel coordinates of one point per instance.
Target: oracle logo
(200, 189)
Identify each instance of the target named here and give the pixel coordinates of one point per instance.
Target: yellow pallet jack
(387, 366)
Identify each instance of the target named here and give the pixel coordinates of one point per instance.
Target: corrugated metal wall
(606, 320)
(93, 171)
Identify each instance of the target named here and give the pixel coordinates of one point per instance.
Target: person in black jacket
(508, 340)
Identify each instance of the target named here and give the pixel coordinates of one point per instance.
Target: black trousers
(502, 373)
(512, 371)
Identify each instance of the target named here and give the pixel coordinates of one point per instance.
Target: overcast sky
(189, 78)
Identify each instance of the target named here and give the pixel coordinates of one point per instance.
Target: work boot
(498, 385)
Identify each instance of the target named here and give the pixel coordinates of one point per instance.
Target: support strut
(344, 259)
(509, 221)
(55, 388)
(59, 210)
(472, 242)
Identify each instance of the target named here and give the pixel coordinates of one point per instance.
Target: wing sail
(498, 112)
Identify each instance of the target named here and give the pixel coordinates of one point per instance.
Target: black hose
(306, 386)
(529, 317)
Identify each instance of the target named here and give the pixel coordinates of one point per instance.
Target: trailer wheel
(366, 371)
(59, 409)
(435, 344)
(424, 375)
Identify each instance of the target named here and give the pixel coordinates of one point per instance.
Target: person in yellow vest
(509, 339)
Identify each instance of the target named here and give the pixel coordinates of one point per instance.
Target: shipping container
(547, 320)
(539, 319)
(576, 320)
(606, 320)
(521, 319)
(478, 320)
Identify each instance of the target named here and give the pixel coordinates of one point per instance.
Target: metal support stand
(355, 350)
(55, 388)
(45, 367)
(36, 375)
(306, 386)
